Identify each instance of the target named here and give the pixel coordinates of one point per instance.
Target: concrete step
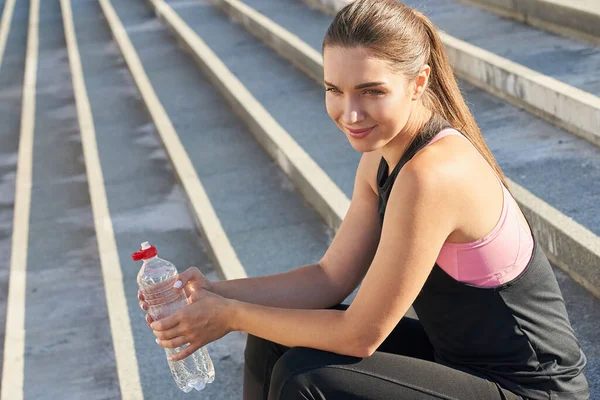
(105, 184)
(145, 198)
(572, 18)
(53, 257)
(262, 217)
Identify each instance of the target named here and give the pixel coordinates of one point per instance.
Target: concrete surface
(578, 18)
(66, 324)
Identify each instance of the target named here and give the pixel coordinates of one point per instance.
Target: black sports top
(517, 334)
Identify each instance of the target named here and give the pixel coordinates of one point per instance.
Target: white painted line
(14, 341)
(207, 221)
(315, 185)
(120, 324)
(7, 14)
(567, 243)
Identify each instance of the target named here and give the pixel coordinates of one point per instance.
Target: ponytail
(443, 96)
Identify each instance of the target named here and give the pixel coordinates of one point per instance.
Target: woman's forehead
(357, 55)
(350, 66)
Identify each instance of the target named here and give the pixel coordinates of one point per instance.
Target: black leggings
(401, 368)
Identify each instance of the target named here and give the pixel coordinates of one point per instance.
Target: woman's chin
(362, 145)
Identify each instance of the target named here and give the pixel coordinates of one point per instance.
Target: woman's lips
(360, 133)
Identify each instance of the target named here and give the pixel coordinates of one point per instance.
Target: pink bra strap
(443, 134)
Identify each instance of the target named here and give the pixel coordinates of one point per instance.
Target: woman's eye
(372, 91)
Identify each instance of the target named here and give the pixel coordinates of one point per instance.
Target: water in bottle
(155, 280)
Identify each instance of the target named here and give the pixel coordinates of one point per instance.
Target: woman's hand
(190, 280)
(207, 318)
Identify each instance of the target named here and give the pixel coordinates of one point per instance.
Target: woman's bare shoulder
(452, 158)
(448, 169)
(467, 185)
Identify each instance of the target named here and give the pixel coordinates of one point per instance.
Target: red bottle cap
(147, 251)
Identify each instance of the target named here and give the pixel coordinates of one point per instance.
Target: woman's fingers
(172, 343)
(168, 323)
(191, 280)
(169, 334)
(143, 304)
(189, 275)
(180, 355)
(149, 319)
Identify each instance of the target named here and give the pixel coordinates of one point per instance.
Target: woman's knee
(298, 372)
(286, 377)
(260, 352)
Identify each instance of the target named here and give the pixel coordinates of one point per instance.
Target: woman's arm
(303, 287)
(418, 221)
(321, 329)
(420, 215)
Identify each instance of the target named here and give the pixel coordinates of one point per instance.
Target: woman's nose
(352, 116)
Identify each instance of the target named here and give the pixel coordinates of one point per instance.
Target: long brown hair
(407, 39)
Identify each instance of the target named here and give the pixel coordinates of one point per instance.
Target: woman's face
(368, 101)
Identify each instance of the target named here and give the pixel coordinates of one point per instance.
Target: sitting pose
(431, 224)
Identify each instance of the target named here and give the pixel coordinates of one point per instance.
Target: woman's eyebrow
(368, 84)
(360, 86)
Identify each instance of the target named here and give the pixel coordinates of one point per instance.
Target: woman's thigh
(303, 373)
(407, 339)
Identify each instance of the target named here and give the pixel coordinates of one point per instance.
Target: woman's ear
(420, 82)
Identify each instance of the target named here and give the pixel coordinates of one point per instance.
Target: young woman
(431, 224)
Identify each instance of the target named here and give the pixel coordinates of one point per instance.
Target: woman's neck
(392, 152)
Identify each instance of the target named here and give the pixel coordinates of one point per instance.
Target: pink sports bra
(498, 257)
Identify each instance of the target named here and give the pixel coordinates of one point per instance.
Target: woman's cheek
(395, 110)
(332, 107)
(381, 111)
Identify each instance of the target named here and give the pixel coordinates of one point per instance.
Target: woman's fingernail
(142, 306)
(178, 284)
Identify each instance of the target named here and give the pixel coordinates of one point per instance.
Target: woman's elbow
(362, 346)
(363, 352)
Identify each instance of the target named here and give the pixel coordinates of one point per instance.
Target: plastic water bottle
(155, 280)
